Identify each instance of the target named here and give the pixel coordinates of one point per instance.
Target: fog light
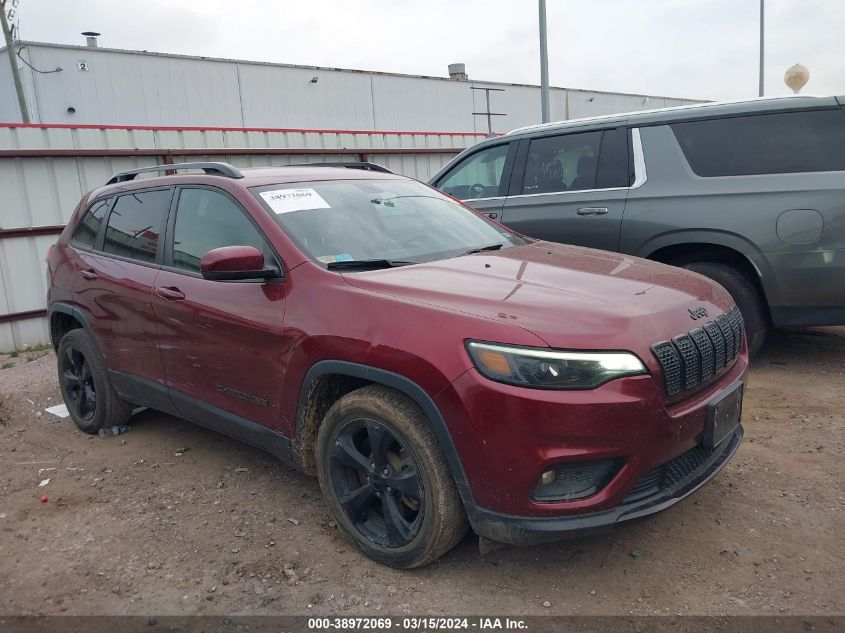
(575, 480)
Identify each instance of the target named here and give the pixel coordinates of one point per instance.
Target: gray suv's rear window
(788, 142)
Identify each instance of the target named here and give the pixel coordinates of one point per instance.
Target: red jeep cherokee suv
(434, 369)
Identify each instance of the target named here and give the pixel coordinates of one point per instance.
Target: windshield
(393, 221)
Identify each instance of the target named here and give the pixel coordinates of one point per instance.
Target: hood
(569, 296)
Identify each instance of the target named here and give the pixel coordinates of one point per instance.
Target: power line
(43, 72)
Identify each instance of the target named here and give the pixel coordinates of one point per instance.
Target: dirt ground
(172, 519)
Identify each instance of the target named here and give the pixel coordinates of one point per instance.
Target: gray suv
(750, 194)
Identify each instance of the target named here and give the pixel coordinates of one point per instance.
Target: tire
(746, 295)
(374, 437)
(91, 400)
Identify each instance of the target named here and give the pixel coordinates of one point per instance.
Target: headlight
(541, 368)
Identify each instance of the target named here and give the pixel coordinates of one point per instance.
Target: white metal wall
(43, 191)
(8, 100)
(140, 88)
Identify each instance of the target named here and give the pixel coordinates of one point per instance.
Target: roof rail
(212, 169)
(633, 113)
(348, 165)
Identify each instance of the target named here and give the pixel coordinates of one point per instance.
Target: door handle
(492, 216)
(88, 275)
(591, 211)
(171, 293)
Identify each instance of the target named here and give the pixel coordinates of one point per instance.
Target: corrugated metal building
(109, 110)
(100, 85)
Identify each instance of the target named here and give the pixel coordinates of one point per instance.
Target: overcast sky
(681, 48)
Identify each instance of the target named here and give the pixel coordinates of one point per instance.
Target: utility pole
(760, 91)
(544, 65)
(10, 49)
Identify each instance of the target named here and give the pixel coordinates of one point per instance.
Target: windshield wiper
(481, 249)
(367, 263)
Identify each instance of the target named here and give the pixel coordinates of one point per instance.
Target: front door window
(479, 176)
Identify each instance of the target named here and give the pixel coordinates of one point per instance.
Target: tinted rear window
(134, 224)
(613, 169)
(783, 143)
(87, 230)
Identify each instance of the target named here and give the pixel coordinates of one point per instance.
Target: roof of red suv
(255, 177)
(258, 176)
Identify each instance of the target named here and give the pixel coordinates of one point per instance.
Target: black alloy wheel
(78, 383)
(91, 399)
(377, 482)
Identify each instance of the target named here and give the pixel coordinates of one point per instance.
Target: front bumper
(507, 437)
(654, 492)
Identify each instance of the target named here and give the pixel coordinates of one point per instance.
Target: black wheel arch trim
(694, 240)
(399, 383)
(72, 311)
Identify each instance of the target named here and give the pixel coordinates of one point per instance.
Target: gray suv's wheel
(745, 294)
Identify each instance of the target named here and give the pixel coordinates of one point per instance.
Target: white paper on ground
(43, 483)
(60, 410)
(287, 200)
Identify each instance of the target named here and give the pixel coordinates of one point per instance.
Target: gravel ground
(172, 519)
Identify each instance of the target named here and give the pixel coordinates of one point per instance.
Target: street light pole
(544, 65)
(10, 50)
(760, 91)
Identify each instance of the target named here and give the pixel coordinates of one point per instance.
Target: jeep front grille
(692, 358)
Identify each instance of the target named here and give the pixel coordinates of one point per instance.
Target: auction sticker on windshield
(287, 200)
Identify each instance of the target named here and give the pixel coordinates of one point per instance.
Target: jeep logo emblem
(698, 313)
